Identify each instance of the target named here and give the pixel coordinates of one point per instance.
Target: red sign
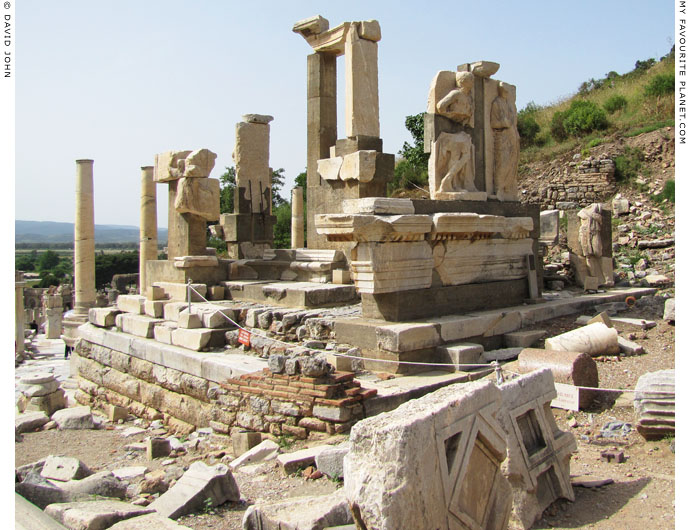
(244, 337)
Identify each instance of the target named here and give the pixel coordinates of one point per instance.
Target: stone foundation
(188, 390)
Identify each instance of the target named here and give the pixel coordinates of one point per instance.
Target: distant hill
(50, 232)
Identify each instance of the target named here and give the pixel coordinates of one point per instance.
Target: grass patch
(649, 128)
(667, 193)
(629, 164)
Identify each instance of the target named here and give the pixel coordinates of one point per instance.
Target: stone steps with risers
(425, 340)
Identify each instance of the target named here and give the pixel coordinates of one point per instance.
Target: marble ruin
(591, 250)
(353, 167)
(249, 231)
(443, 283)
(471, 134)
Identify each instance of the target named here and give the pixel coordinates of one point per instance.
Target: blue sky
(120, 82)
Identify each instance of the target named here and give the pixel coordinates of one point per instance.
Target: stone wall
(188, 390)
(578, 185)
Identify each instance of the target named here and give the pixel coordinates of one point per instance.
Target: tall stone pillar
(148, 225)
(84, 242)
(362, 79)
(19, 316)
(322, 132)
(297, 218)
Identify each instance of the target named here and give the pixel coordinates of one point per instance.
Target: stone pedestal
(590, 246)
(53, 323)
(403, 253)
(148, 225)
(297, 225)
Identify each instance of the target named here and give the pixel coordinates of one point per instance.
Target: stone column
(362, 79)
(84, 243)
(148, 225)
(297, 218)
(19, 322)
(322, 132)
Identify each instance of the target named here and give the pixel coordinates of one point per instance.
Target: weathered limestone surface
(148, 522)
(595, 339)
(433, 462)
(64, 468)
(297, 222)
(198, 196)
(538, 463)
(200, 482)
(253, 173)
(103, 317)
(362, 80)
(94, 515)
(325, 511)
(655, 404)
(148, 225)
(84, 242)
(131, 303)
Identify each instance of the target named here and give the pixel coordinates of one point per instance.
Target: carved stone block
(433, 462)
(199, 196)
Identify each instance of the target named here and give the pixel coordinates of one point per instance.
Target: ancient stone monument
(434, 462)
(353, 167)
(471, 134)
(538, 463)
(148, 225)
(249, 230)
(84, 253)
(591, 249)
(297, 225)
(52, 307)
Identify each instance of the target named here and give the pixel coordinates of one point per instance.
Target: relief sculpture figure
(458, 104)
(455, 161)
(506, 143)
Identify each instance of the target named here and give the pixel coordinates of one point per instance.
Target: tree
(48, 260)
(277, 182)
(412, 170)
(228, 184)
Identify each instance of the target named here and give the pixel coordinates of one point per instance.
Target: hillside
(51, 232)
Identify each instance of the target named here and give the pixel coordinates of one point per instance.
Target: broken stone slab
(157, 448)
(263, 452)
(629, 347)
(64, 468)
(297, 460)
(433, 462)
(186, 262)
(103, 484)
(330, 460)
(48, 403)
(94, 515)
(400, 338)
(40, 491)
(570, 368)
(28, 516)
(323, 511)
(130, 472)
(154, 308)
(30, 421)
(594, 339)
(74, 418)
(589, 482)
(151, 521)
(199, 483)
(637, 322)
(103, 317)
(47, 385)
(655, 404)
(538, 463)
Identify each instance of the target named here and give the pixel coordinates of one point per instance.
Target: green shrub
(557, 129)
(615, 103)
(584, 117)
(660, 85)
(629, 164)
(528, 128)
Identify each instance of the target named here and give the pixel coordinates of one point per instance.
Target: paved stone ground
(49, 356)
